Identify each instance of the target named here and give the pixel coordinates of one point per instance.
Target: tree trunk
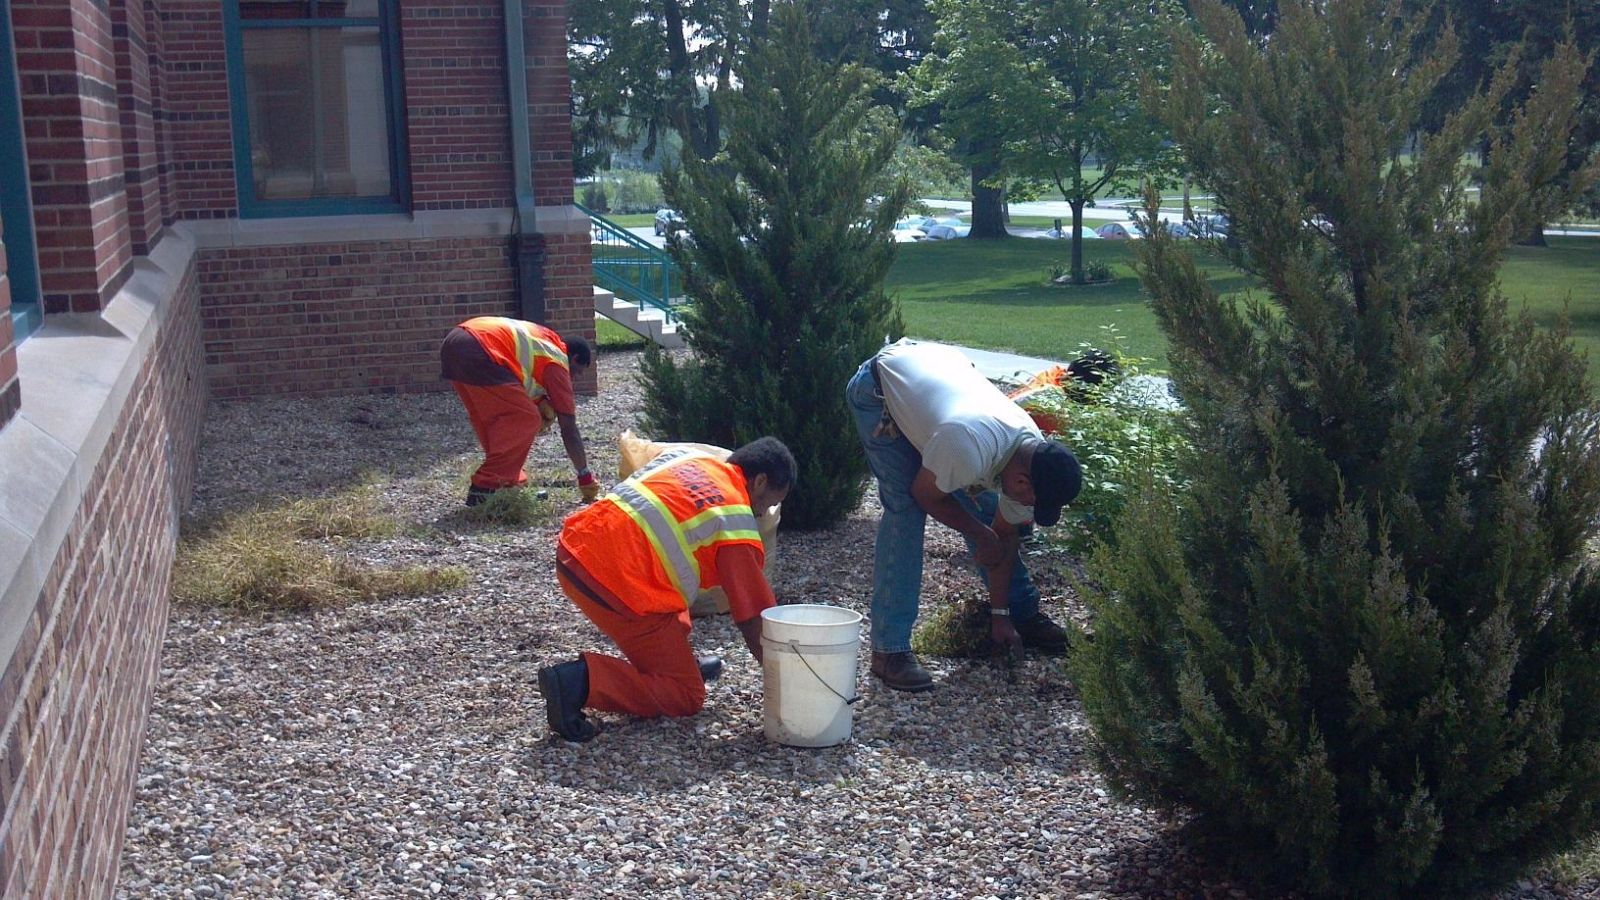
(1077, 243)
(685, 115)
(988, 204)
(1535, 238)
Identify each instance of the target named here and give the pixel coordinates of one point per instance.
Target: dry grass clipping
(269, 559)
(959, 629)
(511, 508)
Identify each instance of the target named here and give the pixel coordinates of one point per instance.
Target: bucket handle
(794, 646)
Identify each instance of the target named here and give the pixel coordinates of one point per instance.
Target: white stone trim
(76, 372)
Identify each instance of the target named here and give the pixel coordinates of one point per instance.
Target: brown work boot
(901, 671)
(1042, 635)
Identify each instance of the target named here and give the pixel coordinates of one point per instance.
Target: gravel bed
(399, 749)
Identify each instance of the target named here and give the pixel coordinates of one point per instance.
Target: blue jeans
(897, 561)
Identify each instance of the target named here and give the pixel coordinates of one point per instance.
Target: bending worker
(633, 563)
(943, 441)
(513, 377)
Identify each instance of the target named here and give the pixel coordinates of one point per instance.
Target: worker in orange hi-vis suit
(633, 563)
(513, 377)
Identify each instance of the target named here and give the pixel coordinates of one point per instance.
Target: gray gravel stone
(399, 749)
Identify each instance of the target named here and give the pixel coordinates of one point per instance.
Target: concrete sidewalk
(997, 366)
(1151, 391)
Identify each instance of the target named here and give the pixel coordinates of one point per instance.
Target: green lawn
(633, 220)
(1564, 277)
(611, 336)
(995, 295)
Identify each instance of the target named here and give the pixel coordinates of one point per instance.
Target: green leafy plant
(1097, 271)
(1122, 438)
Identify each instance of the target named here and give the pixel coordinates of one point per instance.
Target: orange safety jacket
(525, 348)
(653, 541)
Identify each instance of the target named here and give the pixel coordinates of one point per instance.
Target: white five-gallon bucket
(809, 673)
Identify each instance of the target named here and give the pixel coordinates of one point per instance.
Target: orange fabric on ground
(660, 676)
(506, 421)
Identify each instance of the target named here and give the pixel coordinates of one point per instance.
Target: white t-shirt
(964, 427)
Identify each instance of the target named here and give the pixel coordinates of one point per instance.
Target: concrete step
(648, 323)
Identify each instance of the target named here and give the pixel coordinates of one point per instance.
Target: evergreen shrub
(790, 233)
(1365, 647)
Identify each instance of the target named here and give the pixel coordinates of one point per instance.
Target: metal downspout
(527, 246)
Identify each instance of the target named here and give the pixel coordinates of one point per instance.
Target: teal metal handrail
(628, 266)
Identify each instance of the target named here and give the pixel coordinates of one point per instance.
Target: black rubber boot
(478, 495)
(710, 667)
(901, 671)
(566, 689)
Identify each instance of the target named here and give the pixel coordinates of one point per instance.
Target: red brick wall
(344, 318)
(569, 279)
(549, 100)
(456, 109)
(77, 690)
(68, 81)
(369, 316)
(155, 27)
(141, 166)
(194, 109)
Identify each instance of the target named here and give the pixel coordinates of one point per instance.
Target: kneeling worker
(513, 377)
(634, 561)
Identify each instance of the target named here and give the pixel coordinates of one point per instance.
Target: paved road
(1092, 218)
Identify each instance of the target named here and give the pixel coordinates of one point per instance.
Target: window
(16, 206)
(315, 88)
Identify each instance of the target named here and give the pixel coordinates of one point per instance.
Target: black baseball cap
(1057, 478)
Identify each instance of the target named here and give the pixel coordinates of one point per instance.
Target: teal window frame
(250, 207)
(16, 202)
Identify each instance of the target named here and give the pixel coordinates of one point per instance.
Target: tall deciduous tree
(1053, 86)
(642, 67)
(784, 267)
(1366, 646)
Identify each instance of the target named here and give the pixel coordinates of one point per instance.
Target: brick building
(225, 198)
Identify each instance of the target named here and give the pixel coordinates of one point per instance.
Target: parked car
(1087, 234)
(1118, 231)
(943, 232)
(667, 221)
(1211, 226)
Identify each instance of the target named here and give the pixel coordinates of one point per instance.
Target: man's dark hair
(767, 456)
(579, 352)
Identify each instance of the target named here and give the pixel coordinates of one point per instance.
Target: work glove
(546, 411)
(588, 486)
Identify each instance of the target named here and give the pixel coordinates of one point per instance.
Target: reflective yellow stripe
(529, 349)
(728, 523)
(652, 516)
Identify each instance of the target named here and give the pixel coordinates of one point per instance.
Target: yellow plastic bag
(634, 451)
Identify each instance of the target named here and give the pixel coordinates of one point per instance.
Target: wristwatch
(996, 611)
